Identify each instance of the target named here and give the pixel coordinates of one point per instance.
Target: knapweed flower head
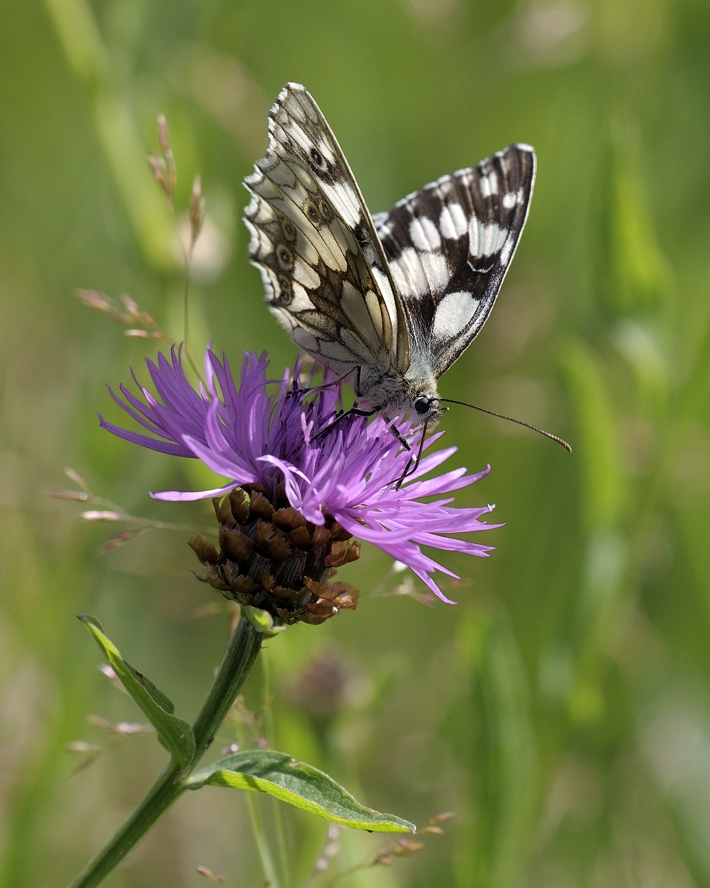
(301, 485)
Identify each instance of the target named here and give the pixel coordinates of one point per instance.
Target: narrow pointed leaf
(606, 481)
(174, 733)
(297, 783)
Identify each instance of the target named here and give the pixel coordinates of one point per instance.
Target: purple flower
(266, 433)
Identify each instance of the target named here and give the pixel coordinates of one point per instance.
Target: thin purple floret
(266, 432)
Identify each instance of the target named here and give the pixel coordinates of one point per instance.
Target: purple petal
(190, 496)
(265, 431)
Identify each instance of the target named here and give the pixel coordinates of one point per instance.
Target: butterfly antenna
(527, 425)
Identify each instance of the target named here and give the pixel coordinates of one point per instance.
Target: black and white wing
(449, 246)
(326, 276)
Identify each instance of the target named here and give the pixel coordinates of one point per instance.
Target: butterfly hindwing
(449, 246)
(326, 275)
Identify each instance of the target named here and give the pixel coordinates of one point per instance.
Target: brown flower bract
(270, 557)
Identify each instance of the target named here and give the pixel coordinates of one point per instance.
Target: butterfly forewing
(449, 246)
(313, 239)
(398, 298)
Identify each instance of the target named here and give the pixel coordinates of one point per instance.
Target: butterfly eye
(422, 405)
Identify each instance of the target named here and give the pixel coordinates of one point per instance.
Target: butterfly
(390, 300)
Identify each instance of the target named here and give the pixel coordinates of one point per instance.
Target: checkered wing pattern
(449, 247)
(394, 300)
(326, 276)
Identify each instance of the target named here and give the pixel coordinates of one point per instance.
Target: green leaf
(643, 276)
(174, 733)
(299, 784)
(640, 346)
(606, 483)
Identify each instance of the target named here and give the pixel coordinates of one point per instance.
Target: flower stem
(236, 665)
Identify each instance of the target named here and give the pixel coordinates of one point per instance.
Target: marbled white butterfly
(390, 301)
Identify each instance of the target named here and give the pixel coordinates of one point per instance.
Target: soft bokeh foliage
(563, 707)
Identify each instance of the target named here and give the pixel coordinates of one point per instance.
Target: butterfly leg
(317, 388)
(413, 461)
(407, 446)
(354, 411)
(398, 435)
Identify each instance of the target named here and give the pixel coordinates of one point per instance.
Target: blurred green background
(562, 708)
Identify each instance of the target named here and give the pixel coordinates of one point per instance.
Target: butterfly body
(391, 302)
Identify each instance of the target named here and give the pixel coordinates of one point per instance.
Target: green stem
(238, 660)
(236, 665)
